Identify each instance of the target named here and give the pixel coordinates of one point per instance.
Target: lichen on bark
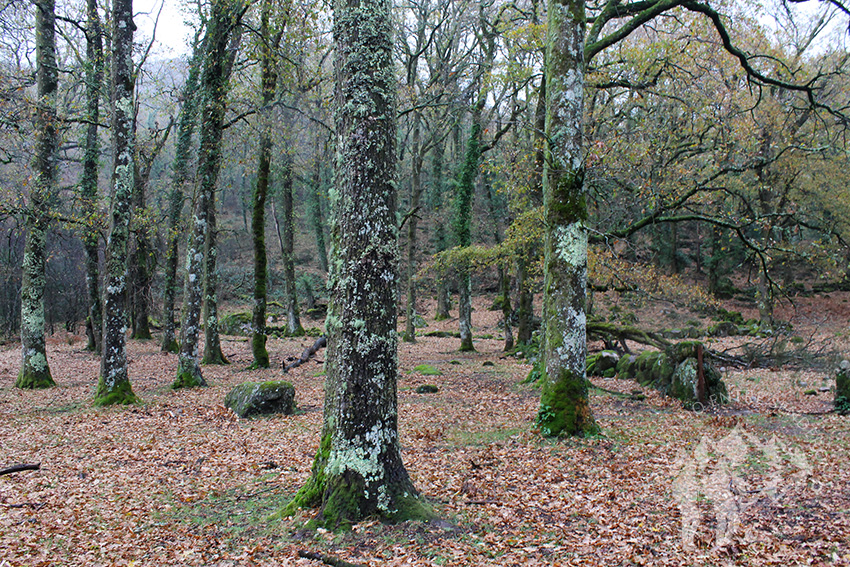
(564, 404)
(358, 471)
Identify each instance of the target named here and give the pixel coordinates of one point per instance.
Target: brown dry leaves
(180, 481)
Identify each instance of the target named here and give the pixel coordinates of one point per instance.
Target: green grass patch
(426, 370)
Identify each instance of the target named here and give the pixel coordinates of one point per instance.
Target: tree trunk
(139, 270)
(463, 230)
(564, 404)
(412, 227)
(293, 319)
(224, 19)
(114, 384)
(358, 471)
(443, 298)
(261, 190)
(212, 339)
(180, 180)
(316, 216)
(88, 183)
(35, 371)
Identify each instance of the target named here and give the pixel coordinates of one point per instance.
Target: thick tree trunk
(224, 19)
(293, 318)
(564, 404)
(315, 211)
(114, 384)
(180, 181)
(88, 183)
(35, 371)
(358, 471)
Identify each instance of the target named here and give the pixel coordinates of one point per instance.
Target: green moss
(310, 495)
(171, 346)
(120, 394)
(466, 345)
(564, 407)
(258, 347)
(34, 380)
(568, 204)
(188, 375)
(427, 370)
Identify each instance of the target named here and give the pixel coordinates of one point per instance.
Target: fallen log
(327, 559)
(19, 468)
(308, 353)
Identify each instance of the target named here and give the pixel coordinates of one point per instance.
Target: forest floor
(179, 480)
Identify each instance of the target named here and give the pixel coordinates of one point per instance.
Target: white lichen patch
(362, 456)
(571, 244)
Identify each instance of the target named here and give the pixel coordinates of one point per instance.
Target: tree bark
(463, 230)
(293, 318)
(261, 190)
(114, 384)
(35, 371)
(180, 181)
(224, 19)
(139, 269)
(88, 183)
(564, 404)
(358, 471)
(412, 228)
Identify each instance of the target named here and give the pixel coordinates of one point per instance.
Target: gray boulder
(257, 398)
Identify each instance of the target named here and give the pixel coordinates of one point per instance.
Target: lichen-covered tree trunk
(35, 371)
(224, 20)
(261, 190)
(114, 384)
(293, 319)
(88, 182)
(564, 404)
(462, 225)
(358, 471)
(212, 340)
(179, 182)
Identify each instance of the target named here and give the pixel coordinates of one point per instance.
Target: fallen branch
(626, 332)
(320, 343)
(327, 559)
(19, 468)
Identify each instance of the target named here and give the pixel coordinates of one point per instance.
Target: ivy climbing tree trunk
(564, 404)
(88, 182)
(212, 340)
(358, 471)
(463, 230)
(35, 371)
(180, 181)
(225, 17)
(261, 189)
(114, 384)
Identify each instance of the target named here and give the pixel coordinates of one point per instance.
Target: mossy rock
(427, 389)
(601, 363)
(238, 324)
(842, 388)
(260, 398)
(723, 329)
(685, 381)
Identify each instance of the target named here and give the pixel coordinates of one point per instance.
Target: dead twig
(320, 343)
(19, 468)
(327, 559)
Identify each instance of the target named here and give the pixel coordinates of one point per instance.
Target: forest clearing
(180, 480)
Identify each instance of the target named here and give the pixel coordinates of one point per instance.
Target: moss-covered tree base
(261, 355)
(341, 499)
(842, 389)
(565, 407)
(188, 375)
(216, 357)
(170, 346)
(31, 380)
(466, 346)
(120, 394)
